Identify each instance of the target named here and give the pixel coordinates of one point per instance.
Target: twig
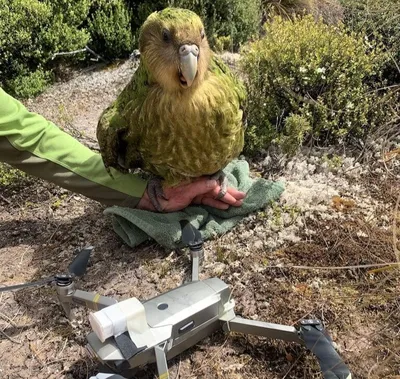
(6, 318)
(68, 53)
(396, 212)
(291, 367)
(86, 48)
(7, 201)
(9, 338)
(51, 237)
(337, 267)
(179, 369)
(95, 54)
(213, 356)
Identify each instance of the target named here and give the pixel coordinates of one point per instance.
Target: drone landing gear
(161, 361)
(192, 238)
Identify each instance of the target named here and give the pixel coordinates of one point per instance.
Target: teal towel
(135, 226)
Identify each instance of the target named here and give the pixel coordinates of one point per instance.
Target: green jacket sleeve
(36, 146)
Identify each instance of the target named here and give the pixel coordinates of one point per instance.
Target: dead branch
(396, 215)
(391, 264)
(9, 338)
(86, 48)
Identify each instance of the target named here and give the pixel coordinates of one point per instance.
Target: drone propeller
(79, 264)
(26, 285)
(190, 235)
(76, 269)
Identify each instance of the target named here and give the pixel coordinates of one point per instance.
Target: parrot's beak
(188, 55)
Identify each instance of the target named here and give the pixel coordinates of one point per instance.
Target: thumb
(201, 187)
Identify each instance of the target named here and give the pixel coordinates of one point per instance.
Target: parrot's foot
(223, 180)
(155, 191)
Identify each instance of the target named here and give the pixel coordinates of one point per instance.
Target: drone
(127, 335)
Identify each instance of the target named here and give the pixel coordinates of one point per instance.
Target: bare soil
(285, 263)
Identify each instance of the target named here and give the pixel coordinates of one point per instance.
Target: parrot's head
(174, 49)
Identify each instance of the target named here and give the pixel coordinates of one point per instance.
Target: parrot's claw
(155, 191)
(223, 180)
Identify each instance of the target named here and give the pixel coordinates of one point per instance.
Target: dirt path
(333, 213)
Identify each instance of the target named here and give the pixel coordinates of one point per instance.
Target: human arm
(36, 146)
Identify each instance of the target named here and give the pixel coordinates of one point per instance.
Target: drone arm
(264, 329)
(310, 333)
(92, 300)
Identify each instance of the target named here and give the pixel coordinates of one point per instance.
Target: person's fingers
(238, 195)
(238, 203)
(214, 203)
(197, 199)
(200, 199)
(228, 198)
(199, 187)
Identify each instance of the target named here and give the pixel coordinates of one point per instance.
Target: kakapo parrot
(181, 115)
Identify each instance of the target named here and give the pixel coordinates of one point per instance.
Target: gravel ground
(298, 258)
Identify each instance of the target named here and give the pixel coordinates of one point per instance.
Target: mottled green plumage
(174, 132)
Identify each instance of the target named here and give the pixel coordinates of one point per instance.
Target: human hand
(201, 191)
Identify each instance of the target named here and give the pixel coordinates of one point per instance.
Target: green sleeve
(36, 146)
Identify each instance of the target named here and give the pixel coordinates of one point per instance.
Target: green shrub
(21, 22)
(31, 31)
(29, 84)
(330, 11)
(10, 175)
(380, 21)
(110, 29)
(238, 19)
(64, 31)
(222, 44)
(306, 81)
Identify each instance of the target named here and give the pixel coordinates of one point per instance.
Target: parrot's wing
(111, 130)
(219, 67)
(117, 121)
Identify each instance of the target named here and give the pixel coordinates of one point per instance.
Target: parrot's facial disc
(174, 49)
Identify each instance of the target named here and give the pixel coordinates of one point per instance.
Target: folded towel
(135, 226)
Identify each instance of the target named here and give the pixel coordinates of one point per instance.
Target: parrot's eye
(202, 35)
(166, 35)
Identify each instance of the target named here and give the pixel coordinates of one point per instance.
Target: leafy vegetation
(379, 20)
(330, 11)
(308, 82)
(32, 32)
(10, 175)
(110, 28)
(236, 20)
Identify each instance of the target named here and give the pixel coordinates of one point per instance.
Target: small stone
(258, 244)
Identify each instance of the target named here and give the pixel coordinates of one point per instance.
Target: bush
(32, 31)
(64, 32)
(306, 81)
(238, 19)
(379, 20)
(21, 22)
(10, 175)
(110, 29)
(330, 11)
(30, 83)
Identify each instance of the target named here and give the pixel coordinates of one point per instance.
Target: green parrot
(181, 115)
